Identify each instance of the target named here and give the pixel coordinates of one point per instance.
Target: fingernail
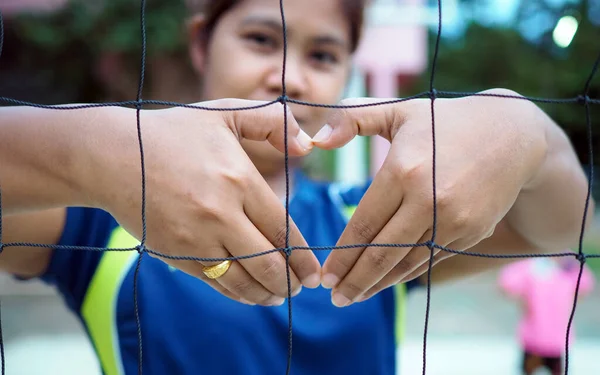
(242, 300)
(297, 291)
(305, 141)
(329, 281)
(312, 281)
(339, 300)
(275, 301)
(323, 134)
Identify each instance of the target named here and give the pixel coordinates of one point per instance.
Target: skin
(245, 173)
(508, 180)
(243, 59)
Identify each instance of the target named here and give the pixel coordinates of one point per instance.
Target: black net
(139, 103)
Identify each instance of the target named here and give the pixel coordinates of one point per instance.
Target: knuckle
(490, 232)
(303, 264)
(444, 200)
(210, 211)
(242, 286)
(351, 289)
(274, 270)
(412, 172)
(362, 230)
(339, 115)
(461, 221)
(236, 177)
(182, 237)
(406, 266)
(346, 113)
(379, 260)
(482, 229)
(340, 263)
(280, 236)
(208, 208)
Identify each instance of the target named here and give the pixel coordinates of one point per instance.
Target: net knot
(430, 244)
(141, 248)
(1, 247)
(581, 257)
(583, 99)
(288, 251)
(283, 99)
(138, 104)
(433, 94)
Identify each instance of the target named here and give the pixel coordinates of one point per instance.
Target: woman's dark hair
(214, 9)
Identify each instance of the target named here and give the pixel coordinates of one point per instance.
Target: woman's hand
(487, 151)
(204, 197)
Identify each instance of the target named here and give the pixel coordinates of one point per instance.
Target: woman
(545, 288)
(505, 163)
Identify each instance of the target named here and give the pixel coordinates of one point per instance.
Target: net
(432, 94)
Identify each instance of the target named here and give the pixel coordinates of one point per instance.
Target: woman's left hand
(488, 150)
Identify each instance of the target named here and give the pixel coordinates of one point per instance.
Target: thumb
(267, 123)
(362, 116)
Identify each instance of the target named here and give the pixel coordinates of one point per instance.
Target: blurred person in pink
(545, 288)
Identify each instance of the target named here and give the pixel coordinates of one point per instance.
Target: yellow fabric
(399, 295)
(100, 303)
(400, 322)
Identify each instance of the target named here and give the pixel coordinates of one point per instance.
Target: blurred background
(61, 51)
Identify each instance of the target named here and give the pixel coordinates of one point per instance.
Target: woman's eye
(324, 57)
(260, 39)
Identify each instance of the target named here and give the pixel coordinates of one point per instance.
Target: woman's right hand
(204, 197)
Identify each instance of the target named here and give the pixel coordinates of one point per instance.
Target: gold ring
(216, 271)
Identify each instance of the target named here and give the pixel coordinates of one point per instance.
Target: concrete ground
(472, 332)
(41, 337)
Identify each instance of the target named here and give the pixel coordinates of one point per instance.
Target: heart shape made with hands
(487, 150)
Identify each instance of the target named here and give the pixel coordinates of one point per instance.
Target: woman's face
(244, 59)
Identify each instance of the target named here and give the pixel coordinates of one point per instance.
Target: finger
(236, 280)
(421, 265)
(380, 202)
(423, 268)
(267, 214)
(194, 269)
(417, 259)
(458, 245)
(420, 261)
(406, 227)
(265, 124)
(346, 123)
(270, 269)
(393, 278)
(239, 282)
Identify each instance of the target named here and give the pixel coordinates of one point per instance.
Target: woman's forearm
(548, 212)
(48, 157)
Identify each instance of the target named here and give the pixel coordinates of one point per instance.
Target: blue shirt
(189, 328)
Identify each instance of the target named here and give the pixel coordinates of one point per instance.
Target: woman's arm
(44, 227)
(507, 180)
(50, 157)
(204, 198)
(546, 217)
(46, 158)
